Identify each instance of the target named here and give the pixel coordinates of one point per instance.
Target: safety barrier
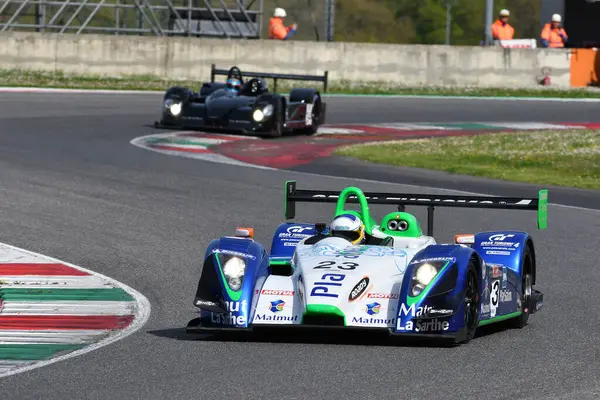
(192, 59)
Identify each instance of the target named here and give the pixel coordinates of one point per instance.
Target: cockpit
(236, 85)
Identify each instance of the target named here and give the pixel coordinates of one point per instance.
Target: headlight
(258, 115)
(234, 270)
(268, 110)
(423, 275)
(175, 109)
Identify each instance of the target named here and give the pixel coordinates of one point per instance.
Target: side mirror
(320, 227)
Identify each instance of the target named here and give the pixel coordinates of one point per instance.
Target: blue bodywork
(235, 306)
(286, 237)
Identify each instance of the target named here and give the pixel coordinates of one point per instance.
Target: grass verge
(563, 158)
(22, 78)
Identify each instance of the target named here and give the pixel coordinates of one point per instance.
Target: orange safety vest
(277, 30)
(553, 36)
(501, 31)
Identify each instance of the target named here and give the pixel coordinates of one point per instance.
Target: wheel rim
(471, 301)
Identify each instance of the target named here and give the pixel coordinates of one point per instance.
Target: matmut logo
(277, 292)
(383, 296)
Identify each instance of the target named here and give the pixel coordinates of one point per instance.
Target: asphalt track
(75, 189)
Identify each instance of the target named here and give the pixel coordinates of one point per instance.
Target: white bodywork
(329, 271)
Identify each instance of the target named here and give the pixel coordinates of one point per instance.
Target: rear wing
(539, 204)
(316, 78)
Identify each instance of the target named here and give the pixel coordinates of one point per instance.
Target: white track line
(375, 96)
(141, 317)
(68, 308)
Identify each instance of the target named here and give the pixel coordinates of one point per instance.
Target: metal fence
(206, 18)
(211, 18)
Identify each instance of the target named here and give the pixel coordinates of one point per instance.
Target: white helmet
(349, 227)
(504, 13)
(556, 18)
(279, 13)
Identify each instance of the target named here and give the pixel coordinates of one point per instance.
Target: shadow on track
(309, 336)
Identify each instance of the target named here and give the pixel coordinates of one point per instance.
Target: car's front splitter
(195, 326)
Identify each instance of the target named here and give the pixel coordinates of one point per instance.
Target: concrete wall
(190, 58)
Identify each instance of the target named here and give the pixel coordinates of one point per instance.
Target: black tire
(471, 302)
(316, 118)
(277, 129)
(526, 290)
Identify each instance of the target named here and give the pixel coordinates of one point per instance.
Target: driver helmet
(234, 85)
(349, 227)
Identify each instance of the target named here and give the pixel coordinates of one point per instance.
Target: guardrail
(317, 78)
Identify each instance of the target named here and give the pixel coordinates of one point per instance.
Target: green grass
(564, 157)
(22, 78)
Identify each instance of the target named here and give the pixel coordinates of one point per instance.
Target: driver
(349, 227)
(234, 85)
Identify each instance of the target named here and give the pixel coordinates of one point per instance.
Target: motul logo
(382, 296)
(275, 292)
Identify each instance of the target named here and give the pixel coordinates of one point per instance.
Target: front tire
(277, 128)
(526, 290)
(471, 302)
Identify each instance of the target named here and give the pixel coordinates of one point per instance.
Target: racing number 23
(330, 264)
(322, 288)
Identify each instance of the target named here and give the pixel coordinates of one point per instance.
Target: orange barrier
(585, 67)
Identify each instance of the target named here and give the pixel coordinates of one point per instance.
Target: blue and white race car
(400, 281)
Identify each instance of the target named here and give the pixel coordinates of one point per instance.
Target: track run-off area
(76, 189)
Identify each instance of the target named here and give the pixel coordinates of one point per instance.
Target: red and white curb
(51, 310)
(287, 152)
(191, 145)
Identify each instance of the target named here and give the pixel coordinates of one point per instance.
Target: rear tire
(471, 302)
(526, 290)
(316, 118)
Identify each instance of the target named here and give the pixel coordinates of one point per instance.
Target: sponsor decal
(265, 317)
(383, 296)
(277, 292)
(234, 253)
(204, 303)
(498, 253)
(485, 308)
(433, 259)
(499, 240)
(230, 318)
(505, 295)
(277, 306)
(352, 252)
(426, 200)
(299, 229)
(359, 289)
(329, 282)
(496, 270)
(425, 326)
(422, 311)
(499, 237)
(373, 308)
(504, 277)
(373, 321)
(295, 233)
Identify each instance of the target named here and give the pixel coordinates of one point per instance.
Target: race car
(400, 281)
(245, 106)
